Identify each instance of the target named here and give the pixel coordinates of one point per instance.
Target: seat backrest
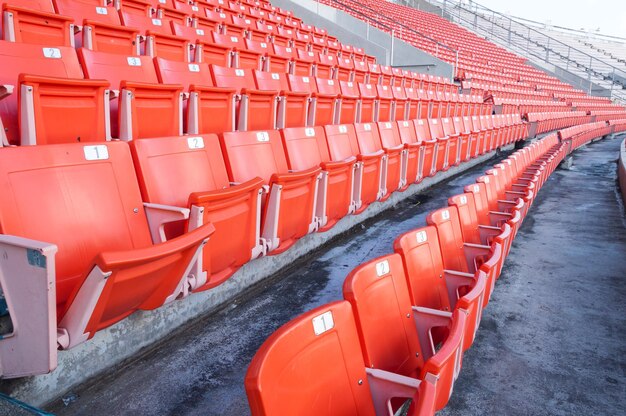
(423, 266)
(367, 137)
(342, 142)
(299, 83)
(481, 203)
(183, 73)
(87, 202)
(249, 154)
(436, 129)
(389, 135)
(117, 68)
(313, 365)
(81, 11)
(406, 131)
(468, 219)
(170, 169)
(388, 339)
(328, 86)
(232, 77)
(273, 81)
(18, 59)
(446, 125)
(446, 221)
(421, 130)
(305, 147)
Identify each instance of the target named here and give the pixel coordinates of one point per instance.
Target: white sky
(608, 15)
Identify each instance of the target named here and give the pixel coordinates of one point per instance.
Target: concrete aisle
(553, 338)
(552, 335)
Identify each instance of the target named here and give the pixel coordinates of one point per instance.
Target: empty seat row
(139, 25)
(405, 356)
(136, 97)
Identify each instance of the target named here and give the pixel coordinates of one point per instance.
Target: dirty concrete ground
(552, 339)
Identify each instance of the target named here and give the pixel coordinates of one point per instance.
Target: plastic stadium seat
(350, 102)
(345, 69)
(360, 72)
(292, 106)
(34, 60)
(386, 103)
(327, 101)
(375, 76)
(104, 37)
(305, 63)
(305, 148)
(257, 109)
(167, 46)
(190, 172)
(281, 58)
(146, 108)
(215, 53)
(209, 109)
(408, 137)
(430, 146)
(369, 141)
(443, 143)
(393, 343)
(96, 247)
(83, 10)
(323, 345)
(25, 25)
(402, 103)
(435, 287)
(327, 106)
(325, 66)
(46, 105)
(289, 211)
(397, 155)
(369, 103)
(369, 176)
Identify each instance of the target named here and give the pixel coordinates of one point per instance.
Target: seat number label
(133, 61)
(263, 136)
(382, 268)
(157, 22)
(194, 68)
(101, 10)
(195, 142)
(343, 129)
(98, 152)
(323, 323)
(309, 132)
(54, 53)
(421, 237)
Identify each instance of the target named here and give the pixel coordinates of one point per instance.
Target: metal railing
(522, 38)
(378, 18)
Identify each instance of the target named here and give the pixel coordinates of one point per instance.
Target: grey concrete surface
(199, 369)
(553, 338)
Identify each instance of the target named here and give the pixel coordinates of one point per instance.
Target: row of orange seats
(116, 227)
(548, 121)
(396, 343)
(106, 29)
(137, 96)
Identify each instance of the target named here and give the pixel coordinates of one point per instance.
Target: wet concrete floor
(553, 339)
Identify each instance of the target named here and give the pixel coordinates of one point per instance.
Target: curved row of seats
(396, 341)
(158, 200)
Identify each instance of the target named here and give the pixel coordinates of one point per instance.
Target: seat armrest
(425, 320)
(385, 386)
(454, 281)
(158, 215)
(28, 280)
(6, 90)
